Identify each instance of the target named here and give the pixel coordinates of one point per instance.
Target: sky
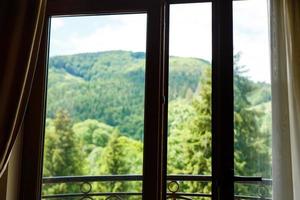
(190, 34)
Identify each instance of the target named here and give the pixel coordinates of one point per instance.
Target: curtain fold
(21, 26)
(285, 53)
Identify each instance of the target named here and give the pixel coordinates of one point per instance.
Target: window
(151, 100)
(95, 103)
(252, 97)
(189, 99)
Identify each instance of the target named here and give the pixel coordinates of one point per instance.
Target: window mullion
(154, 170)
(222, 101)
(165, 80)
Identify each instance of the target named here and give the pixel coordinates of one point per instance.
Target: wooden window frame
(156, 93)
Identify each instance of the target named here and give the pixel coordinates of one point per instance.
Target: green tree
(252, 138)
(199, 142)
(190, 136)
(104, 93)
(121, 156)
(252, 155)
(62, 153)
(92, 133)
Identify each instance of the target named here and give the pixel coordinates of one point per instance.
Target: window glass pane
(95, 106)
(189, 105)
(252, 97)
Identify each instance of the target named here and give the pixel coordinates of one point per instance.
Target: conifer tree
(114, 161)
(62, 154)
(199, 143)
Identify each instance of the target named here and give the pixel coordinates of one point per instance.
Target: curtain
(21, 27)
(285, 62)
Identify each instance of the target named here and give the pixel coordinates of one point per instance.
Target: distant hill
(109, 86)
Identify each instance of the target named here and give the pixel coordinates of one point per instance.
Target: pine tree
(199, 143)
(251, 143)
(252, 157)
(114, 162)
(62, 154)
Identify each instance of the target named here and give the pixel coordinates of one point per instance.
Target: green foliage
(191, 140)
(92, 133)
(62, 154)
(83, 85)
(252, 149)
(121, 156)
(100, 130)
(252, 121)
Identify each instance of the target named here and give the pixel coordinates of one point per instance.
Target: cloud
(190, 34)
(123, 32)
(123, 35)
(251, 37)
(190, 30)
(57, 23)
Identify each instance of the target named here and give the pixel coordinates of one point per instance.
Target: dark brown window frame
(156, 90)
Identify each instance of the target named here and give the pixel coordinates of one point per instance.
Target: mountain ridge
(109, 86)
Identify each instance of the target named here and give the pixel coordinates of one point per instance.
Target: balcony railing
(87, 192)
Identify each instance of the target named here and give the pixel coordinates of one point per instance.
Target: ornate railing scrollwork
(263, 191)
(174, 191)
(85, 189)
(173, 188)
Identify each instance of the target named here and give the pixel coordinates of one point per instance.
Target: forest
(95, 120)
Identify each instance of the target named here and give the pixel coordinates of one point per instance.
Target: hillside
(95, 109)
(109, 87)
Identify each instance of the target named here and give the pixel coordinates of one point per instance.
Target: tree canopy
(95, 119)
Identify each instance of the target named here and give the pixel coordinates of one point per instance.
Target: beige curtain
(21, 24)
(285, 44)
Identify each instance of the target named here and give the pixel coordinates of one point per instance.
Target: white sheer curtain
(285, 53)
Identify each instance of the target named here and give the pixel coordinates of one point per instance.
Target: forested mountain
(109, 86)
(95, 109)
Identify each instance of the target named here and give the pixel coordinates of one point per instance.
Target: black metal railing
(86, 191)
